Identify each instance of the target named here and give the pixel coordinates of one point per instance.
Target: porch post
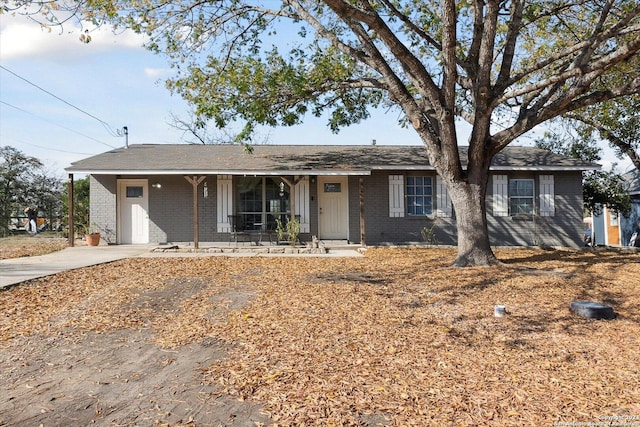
(70, 211)
(292, 197)
(292, 193)
(362, 227)
(195, 181)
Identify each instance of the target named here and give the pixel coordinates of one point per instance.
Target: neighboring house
(612, 229)
(606, 228)
(631, 223)
(361, 194)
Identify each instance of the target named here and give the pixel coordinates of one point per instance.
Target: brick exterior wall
(562, 229)
(171, 212)
(380, 228)
(102, 206)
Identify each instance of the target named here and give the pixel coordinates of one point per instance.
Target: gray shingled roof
(299, 159)
(632, 181)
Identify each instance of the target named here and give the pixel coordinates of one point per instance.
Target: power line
(56, 124)
(104, 124)
(51, 149)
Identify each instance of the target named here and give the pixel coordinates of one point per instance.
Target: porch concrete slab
(248, 252)
(345, 253)
(16, 270)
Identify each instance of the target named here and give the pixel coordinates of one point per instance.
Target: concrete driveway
(16, 270)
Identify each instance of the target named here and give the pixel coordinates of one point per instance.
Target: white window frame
(422, 196)
(519, 197)
(397, 198)
(546, 196)
(225, 192)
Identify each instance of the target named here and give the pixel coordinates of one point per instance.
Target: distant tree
(600, 188)
(618, 123)
(503, 66)
(17, 172)
(46, 194)
(80, 202)
(196, 130)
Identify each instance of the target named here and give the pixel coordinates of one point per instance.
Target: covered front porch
(225, 209)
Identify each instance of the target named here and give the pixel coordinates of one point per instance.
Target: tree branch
(478, 30)
(533, 118)
(515, 25)
(416, 29)
(411, 65)
(609, 134)
(328, 34)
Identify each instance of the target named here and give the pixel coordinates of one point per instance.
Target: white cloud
(20, 38)
(156, 72)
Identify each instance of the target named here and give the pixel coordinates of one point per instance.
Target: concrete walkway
(17, 270)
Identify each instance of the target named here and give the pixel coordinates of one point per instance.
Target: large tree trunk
(468, 198)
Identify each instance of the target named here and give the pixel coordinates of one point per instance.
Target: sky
(62, 100)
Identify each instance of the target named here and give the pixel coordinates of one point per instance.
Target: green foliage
(273, 62)
(579, 145)
(428, 234)
(290, 231)
(22, 183)
(605, 189)
(273, 90)
(47, 193)
(80, 205)
(615, 121)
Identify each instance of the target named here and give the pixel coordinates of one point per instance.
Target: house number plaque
(332, 187)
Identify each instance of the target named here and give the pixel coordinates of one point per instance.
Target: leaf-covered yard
(394, 338)
(25, 245)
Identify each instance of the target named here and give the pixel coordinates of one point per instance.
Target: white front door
(333, 204)
(133, 211)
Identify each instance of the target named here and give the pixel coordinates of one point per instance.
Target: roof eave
(545, 168)
(319, 172)
(497, 168)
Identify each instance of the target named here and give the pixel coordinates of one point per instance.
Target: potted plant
(91, 236)
(92, 239)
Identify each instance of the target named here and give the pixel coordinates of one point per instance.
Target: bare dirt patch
(83, 347)
(115, 378)
(395, 338)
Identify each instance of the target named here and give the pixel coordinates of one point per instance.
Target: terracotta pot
(92, 239)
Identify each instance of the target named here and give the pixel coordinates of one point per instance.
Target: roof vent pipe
(373, 142)
(126, 137)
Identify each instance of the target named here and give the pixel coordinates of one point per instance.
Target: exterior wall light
(156, 185)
